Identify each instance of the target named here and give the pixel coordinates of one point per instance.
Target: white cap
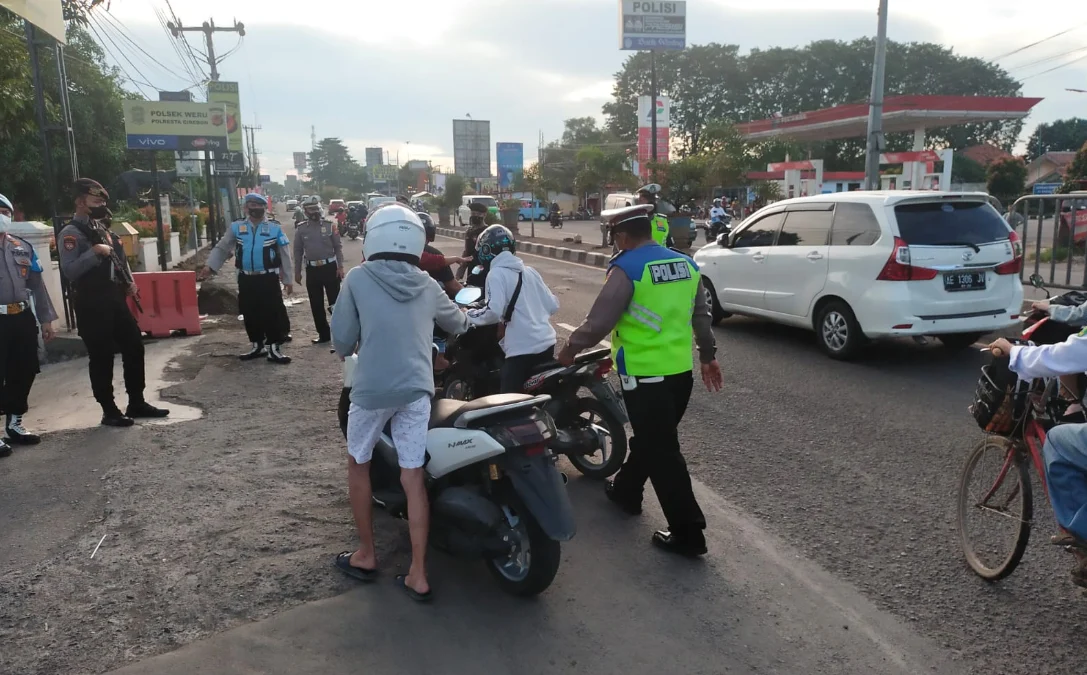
(618, 216)
(5, 202)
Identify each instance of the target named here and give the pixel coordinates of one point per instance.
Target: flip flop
(343, 563)
(402, 582)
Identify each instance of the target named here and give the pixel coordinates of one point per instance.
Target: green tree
(966, 170)
(275, 189)
(712, 82)
(1007, 179)
(532, 181)
(1060, 136)
(685, 180)
(95, 93)
(332, 164)
(1076, 176)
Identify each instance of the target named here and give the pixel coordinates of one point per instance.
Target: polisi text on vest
(663, 273)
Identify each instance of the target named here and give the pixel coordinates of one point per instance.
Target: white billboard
(645, 113)
(472, 148)
(651, 24)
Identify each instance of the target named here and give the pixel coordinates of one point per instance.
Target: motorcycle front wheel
(604, 461)
(533, 561)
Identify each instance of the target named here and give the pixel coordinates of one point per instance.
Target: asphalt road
(857, 465)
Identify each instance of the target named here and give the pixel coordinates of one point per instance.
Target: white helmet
(4, 202)
(394, 232)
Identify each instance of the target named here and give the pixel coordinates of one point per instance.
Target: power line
(1038, 42)
(122, 31)
(1048, 58)
(105, 47)
(1057, 67)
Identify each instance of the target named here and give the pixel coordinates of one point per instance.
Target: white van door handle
(758, 257)
(815, 255)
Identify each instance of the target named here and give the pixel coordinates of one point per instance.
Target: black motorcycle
(556, 219)
(590, 429)
(718, 227)
(1039, 328)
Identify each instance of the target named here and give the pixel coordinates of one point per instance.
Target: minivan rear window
(947, 223)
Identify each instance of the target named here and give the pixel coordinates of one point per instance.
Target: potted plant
(511, 211)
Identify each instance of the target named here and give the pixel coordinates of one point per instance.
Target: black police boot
(256, 351)
(113, 417)
(276, 355)
(691, 544)
(145, 410)
(5, 449)
(322, 339)
(627, 505)
(17, 433)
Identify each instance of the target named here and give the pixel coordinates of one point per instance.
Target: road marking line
(570, 328)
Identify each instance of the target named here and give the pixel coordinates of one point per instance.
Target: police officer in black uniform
(94, 263)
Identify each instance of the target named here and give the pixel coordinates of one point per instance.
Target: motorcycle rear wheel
(601, 416)
(531, 570)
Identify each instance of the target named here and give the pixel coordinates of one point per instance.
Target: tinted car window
(805, 228)
(950, 223)
(854, 225)
(761, 232)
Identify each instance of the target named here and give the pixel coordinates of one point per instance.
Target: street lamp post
(875, 105)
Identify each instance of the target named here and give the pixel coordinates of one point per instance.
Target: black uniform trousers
(261, 303)
(18, 361)
(655, 410)
(107, 326)
(322, 282)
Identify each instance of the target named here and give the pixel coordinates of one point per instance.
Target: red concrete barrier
(169, 303)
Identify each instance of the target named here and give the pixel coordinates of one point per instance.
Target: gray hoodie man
(388, 308)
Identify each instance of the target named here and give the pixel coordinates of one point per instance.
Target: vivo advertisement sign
(510, 158)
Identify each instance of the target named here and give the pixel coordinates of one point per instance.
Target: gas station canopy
(900, 113)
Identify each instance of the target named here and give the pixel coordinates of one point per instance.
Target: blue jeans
(1065, 455)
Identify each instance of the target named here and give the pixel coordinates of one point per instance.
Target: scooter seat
(580, 359)
(444, 412)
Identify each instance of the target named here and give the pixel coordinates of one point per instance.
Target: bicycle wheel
(994, 544)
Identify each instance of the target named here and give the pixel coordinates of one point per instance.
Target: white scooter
(494, 489)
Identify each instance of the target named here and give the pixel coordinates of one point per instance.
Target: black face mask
(256, 214)
(475, 220)
(98, 212)
(314, 216)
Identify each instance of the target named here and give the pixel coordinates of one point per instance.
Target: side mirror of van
(722, 240)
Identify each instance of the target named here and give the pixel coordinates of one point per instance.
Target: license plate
(964, 281)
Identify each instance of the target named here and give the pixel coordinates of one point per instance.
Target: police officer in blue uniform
(260, 253)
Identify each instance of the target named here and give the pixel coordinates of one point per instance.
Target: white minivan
(859, 265)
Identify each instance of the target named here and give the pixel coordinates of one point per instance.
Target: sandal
(402, 582)
(343, 563)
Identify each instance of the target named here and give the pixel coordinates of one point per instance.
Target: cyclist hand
(1041, 306)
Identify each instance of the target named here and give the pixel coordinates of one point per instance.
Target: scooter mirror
(468, 295)
(1037, 281)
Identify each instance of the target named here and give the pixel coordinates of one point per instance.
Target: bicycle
(1016, 415)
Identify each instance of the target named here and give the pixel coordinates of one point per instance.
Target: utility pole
(875, 105)
(253, 161)
(208, 28)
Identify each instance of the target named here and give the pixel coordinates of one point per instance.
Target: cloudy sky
(396, 73)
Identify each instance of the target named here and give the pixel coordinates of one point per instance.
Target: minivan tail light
(1015, 265)
(898, 267)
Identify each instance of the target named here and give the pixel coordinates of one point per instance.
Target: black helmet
(428, 225)
(493, 241)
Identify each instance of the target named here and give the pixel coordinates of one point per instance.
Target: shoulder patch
(69, 243)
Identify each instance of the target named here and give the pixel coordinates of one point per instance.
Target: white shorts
(409, 427)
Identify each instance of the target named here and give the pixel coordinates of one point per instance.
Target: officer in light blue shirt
(260, 250)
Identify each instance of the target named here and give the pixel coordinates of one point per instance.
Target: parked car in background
(532, 210)
(292, 204)
(463, 212)
(375, 202)
(336, 205)
(858, 265)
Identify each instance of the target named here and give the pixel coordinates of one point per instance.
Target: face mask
(5, 222)
(314, 216)
(475, 220)
(256, 214)
(97, 212)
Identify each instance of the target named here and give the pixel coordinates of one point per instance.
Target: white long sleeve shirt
(1066, 358)
(530, 330)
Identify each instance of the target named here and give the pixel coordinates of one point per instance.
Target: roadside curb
(546, 251)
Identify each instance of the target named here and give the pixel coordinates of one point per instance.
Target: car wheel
(838, 332)
(957, 341)
(521, 217)
(716, 312)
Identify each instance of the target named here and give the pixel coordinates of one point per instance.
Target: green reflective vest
(660, 230)
(654, 337)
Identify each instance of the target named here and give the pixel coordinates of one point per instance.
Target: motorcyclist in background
(1065, 449)
(519, 300)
